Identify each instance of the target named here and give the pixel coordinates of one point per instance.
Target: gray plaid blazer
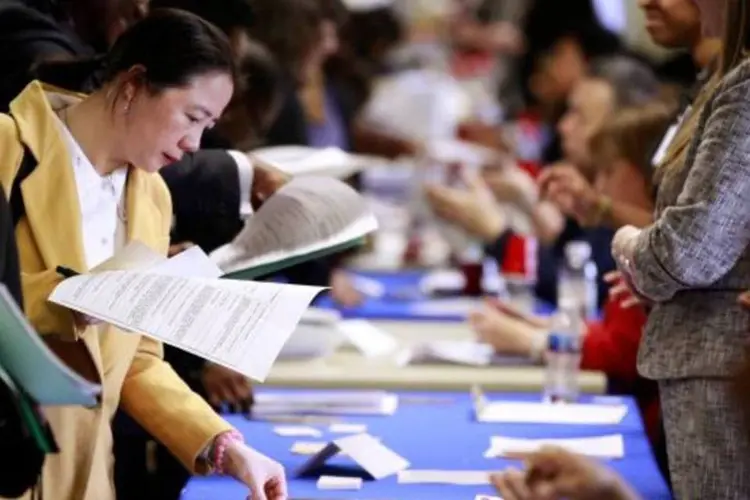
(695, 259)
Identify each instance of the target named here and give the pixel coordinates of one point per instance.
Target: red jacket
(611, 346)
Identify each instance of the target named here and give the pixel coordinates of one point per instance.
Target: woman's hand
(621, 290)
(472, 208)
(266, 181)
(178, 248)
(553, 473)
(566, 187)
(505, 334)
(265, 477)
(343, 291)
(226, 386)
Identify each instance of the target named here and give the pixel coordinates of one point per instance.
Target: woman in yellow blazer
(93, 189)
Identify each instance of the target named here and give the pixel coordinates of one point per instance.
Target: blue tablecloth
(401, 300)
(440, 436)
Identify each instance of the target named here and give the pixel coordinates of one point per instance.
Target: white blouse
(101, 203)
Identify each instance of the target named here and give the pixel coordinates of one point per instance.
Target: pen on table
(65, 272)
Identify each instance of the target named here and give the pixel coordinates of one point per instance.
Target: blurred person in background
(622, 151)
(611, 85)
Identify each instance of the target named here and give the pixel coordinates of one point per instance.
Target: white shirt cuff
(245, 174)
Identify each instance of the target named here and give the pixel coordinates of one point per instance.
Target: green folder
(35, 425)
(34, 368)
(273, 267)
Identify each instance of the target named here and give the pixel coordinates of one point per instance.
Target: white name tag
(668, 138)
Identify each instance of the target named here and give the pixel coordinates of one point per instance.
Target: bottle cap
(577, 253)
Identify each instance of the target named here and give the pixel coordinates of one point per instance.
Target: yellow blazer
(129, 366)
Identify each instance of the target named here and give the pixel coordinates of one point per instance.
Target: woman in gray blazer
(690, 265)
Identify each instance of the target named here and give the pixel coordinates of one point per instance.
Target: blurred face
(712, 16)
(589, 105)
(160, 127)
(672, 23)
(557, 72)
(327, 45)
(624, 183)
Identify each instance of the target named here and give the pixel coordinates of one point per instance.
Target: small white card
(347, 428)
(612, 446)
(486, 497)
(308, 447)
(296, 431)
(551, 413)
(375, 458)
(460, 477)
(339, 483)
(368, 339)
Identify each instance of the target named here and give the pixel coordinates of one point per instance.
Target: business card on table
(296, 431)
(347, 428)
(368, 452)
(339, 483)
(308, 447)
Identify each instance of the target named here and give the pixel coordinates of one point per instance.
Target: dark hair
(736, 34)
(368, 31)
(172, 46)
(226, 15)
(633, 82)
(289, 29)
(550, 22)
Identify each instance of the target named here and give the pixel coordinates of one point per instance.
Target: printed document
(239, 324)
(307, 218)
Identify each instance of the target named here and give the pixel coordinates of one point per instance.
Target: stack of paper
(304, 161)
(306, 219)
(327, 403)
(461, 477)
(611, 446)
(551, 413)
(316, 335)
(367, 338)
(460, 352)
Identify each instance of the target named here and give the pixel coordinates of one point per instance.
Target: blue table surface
(402, 294)
(437, 435)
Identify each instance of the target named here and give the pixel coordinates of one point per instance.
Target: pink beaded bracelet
(220, 445)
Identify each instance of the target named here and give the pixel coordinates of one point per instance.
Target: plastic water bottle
(563, 356)
(577, 279)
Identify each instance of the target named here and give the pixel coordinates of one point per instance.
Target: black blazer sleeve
(205, 189)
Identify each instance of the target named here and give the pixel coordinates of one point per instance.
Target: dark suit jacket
(22, 466)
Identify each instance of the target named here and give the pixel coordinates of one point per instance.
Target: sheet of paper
(544, 413)
(329, 403)
(347, 428)
(304, 217)
(308, 447)
(33, 366)
(461, 306)
(305, 161)
(192, 262)
(368, 339)
(458, 352)
(296, 431)
(135, 255)
(612, 446)
(461, 477)
(368, 452)
(339, 483)
(242, 325)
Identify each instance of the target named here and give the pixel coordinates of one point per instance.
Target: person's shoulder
(154, 187)
(736, 77)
